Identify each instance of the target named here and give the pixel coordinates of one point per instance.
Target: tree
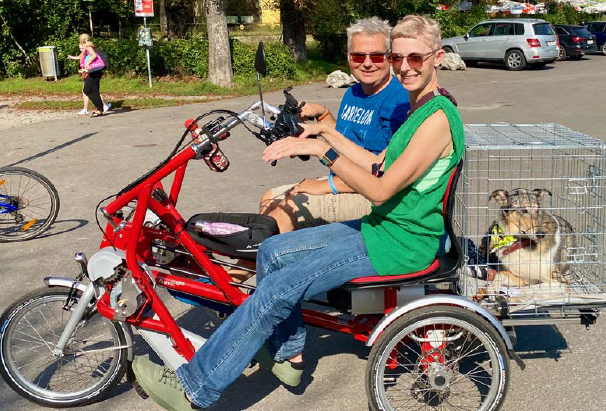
(163, 19)
(293, 28)
(219, 56)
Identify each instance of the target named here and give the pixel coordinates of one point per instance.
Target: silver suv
(516, 42)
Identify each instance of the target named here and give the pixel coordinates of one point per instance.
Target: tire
(562, 54)
(515, 60)
(431, 380)
(448, 49)
(35, 198)
(603, 48)
(32, 325)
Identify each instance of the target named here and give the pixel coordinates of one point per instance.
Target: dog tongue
(523, 243)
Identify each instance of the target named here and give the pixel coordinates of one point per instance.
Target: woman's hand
(294, 146)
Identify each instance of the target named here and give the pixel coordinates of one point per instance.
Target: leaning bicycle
(29, 204)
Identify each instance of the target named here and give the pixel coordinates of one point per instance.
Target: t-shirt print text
(357, 115)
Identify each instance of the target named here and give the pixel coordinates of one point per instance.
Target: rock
(338, 79)
(452, 61)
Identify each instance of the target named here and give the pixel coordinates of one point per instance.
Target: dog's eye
(524, 211)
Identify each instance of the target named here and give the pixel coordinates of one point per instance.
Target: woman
(401, 234)
(91, 80)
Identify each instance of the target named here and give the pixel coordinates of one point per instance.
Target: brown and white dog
(526, 244)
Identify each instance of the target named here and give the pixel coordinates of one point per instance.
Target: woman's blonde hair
(90, 44)
(83, 38)
(420, 28)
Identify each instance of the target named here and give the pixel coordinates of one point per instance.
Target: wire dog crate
(530, 216)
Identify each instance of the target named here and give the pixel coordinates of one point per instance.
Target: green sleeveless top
(403, 234)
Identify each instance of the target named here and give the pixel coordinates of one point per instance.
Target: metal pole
(147, 53)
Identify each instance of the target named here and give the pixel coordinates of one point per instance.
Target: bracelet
(332, 184)
(323, 115)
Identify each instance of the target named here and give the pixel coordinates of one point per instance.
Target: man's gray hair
(370, 26)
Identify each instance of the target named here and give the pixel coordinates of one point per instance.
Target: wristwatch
(329, 157)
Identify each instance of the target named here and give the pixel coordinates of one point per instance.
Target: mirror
(260, 65)
(466, 36)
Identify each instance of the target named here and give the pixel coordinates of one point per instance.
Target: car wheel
(515, 60)
(562, 54)
(448, 49)
(603, 49)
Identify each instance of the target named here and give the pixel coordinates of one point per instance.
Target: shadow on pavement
(54, 149)
(541, 341)
(64, 226)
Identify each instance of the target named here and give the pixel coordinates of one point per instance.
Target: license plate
(551, 43)
(589, 41)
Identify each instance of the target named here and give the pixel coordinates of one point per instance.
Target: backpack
(103, 57)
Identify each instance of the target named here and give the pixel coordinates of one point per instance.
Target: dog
(526, 244)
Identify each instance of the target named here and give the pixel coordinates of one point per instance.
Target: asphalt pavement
(90, 158)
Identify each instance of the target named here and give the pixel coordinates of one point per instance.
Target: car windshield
(542, 29)
(580, 31)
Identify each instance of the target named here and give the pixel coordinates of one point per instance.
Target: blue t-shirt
(370, 121)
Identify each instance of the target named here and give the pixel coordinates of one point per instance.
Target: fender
(67, 283)
(445, 300)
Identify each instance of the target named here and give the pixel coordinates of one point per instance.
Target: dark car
(598, 29)
(575, 41)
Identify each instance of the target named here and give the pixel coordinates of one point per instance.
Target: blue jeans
(290, 268)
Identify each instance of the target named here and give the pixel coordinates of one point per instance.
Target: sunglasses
(414, 60)
(360, 58)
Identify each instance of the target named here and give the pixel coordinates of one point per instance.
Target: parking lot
(88, 159)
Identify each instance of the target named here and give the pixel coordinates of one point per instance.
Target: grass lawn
(135, 92)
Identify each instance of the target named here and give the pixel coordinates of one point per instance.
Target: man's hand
(312, 110)
(313, 187)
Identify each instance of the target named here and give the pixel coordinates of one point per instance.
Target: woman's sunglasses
(360, 58)
(414, 60)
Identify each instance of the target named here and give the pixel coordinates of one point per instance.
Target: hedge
(183, 57)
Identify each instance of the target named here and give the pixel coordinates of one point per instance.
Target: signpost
(145, 8)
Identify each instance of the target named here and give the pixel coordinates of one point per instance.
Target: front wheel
(515, 60)
(438, 358)
(603, 49)
(92, 362)
(29, 204)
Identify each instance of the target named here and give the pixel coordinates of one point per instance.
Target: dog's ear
(540, 193)
(500, 196)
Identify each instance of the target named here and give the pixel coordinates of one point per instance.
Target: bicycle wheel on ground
(92, 364)
(29, 204)
(438, 358)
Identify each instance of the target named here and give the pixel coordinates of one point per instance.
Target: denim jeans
(290, 268)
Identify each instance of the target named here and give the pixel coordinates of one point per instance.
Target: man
(370, 113)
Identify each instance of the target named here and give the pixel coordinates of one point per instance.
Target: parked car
(516, 42)
(598, 29)
(574, 41)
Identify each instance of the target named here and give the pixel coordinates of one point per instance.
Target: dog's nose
(540, 234)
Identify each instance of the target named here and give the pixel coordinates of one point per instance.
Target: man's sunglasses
(414, 60)
(360, 58)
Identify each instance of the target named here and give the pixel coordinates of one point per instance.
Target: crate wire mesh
(572, 166)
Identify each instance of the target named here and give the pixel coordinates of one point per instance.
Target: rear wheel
(562, 54)
(438, 358)
(515, 60)
(603, 49)
(92, 362)
(29, 204)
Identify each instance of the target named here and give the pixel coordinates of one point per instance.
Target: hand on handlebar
(295, 146)
(312, 110)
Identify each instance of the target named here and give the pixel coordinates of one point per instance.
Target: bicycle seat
(243, 244)
(444, 267)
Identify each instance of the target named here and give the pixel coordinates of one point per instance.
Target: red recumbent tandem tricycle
(70, 343)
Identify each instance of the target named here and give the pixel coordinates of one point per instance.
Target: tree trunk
(163, 19)
(219, 57)
(293, 29)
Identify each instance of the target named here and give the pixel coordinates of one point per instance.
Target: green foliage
(455, 23)
(180, 58)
